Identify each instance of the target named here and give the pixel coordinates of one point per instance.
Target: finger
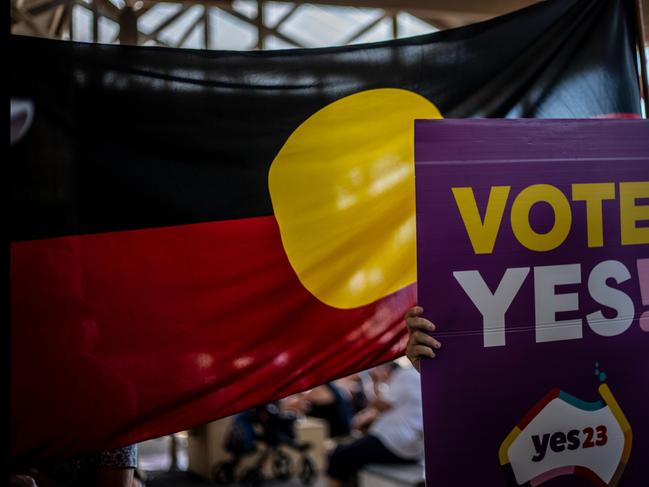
(418, 351)
(421, 338)
(414, 311)
(419, 324)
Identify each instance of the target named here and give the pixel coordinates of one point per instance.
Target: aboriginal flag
(197, 232)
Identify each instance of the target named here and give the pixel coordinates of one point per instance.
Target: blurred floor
(155, 455)
(185, 479)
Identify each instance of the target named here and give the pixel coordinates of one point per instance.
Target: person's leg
(347, 460)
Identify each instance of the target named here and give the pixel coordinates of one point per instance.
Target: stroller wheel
(223, 473)
(281, 466)
(252, 477)
(307, 472)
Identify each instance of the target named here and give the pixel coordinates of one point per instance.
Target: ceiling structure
(259, 24)
(249, 24)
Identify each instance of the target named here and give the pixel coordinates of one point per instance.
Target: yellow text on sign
(588, 197)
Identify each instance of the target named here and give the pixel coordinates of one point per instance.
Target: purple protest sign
(533, 261)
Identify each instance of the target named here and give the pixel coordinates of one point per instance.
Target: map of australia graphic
(564, 435)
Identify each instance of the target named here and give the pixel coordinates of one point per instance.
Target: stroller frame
(268, 439)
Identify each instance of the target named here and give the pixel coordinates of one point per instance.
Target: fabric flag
(197, 232)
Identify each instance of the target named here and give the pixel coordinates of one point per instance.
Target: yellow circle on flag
(343, 193)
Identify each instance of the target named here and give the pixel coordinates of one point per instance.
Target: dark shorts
(347, 460)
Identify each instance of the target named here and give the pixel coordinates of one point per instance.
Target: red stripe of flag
(212, 311)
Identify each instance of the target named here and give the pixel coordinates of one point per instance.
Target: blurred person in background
(375, 404)
(331, 402)
(394, 426)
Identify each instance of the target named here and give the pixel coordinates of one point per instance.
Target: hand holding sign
(420, 343)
